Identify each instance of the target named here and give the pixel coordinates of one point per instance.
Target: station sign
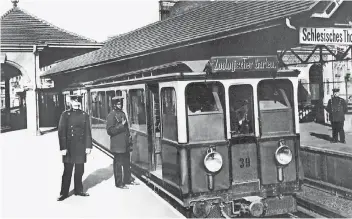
(325, 36)
(243, 63)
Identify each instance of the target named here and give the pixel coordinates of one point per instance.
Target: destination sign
(325, 36)
(243, 63)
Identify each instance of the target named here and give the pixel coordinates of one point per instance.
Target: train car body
(221, 137)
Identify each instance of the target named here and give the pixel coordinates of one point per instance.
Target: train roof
(168, 68)
(199, 68)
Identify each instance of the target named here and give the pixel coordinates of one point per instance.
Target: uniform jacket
(74, 135)
(119, 134)
(337, 108)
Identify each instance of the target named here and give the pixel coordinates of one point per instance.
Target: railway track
(305, 208)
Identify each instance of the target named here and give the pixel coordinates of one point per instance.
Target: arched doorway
(316, 87)
(13, 99)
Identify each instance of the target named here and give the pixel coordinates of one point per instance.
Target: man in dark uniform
(118, 130)
(75, 142)
(337, 108)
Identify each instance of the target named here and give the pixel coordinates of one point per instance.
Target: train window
(169, 116)
(275, 100)
(205, 104)
(201, 98)
(137, 110)
(67, 102)
(109, 94)
(102, 105)
(274, 95)
(118, 93)
(241, 110)
(94, 99)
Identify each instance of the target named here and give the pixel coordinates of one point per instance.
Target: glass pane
(138, 115)
(95, 104)
(275, 98)
(241, 109)
(110, 95)
(273, 95)
(102, 105)
(169, 115)
(205, 104)
(200, 98)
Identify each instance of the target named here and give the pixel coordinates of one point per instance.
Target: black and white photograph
(176, 109)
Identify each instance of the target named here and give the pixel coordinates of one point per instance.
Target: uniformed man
(337, 108)
(75, 142)
(118, 130)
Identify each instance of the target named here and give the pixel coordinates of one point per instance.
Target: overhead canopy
(216, 19)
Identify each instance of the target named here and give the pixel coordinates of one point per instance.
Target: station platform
(31, 170)
(315, 136)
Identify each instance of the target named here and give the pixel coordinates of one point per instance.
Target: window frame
(131, 113)
(161, 102)
(252, 108)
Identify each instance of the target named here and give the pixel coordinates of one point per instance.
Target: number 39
(245, 162)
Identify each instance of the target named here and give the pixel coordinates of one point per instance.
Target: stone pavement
(315, 135)
(31, 171)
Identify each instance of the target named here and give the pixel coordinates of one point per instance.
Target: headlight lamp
(213, 161)
(283, 155)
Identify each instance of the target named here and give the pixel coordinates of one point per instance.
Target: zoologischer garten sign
(243, 63)
(325, 36)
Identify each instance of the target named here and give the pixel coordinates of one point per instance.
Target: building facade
(25, 52)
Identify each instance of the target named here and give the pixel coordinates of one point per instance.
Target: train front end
(254, 170)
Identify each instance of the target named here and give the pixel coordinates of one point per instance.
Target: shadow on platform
(321, 136)
(96, 178)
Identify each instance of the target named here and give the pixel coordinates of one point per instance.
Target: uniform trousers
(122, 171)
(337, 128)
(67, 175)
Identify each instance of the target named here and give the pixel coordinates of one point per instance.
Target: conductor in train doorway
(337, 108)
(75, 140)
(118, 130)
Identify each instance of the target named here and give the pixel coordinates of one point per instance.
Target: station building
(200, 30)
(29, 45)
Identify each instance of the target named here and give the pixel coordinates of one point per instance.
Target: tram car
(220, 136)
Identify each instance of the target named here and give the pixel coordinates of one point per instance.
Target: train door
(153, 129)
(243, 141)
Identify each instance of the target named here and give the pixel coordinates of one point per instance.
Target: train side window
(205, 109)
(94, 100)
(275, 101)
(102, 105)
(67, 101)
(137, 110)
(109, 94)
(169, 115)
(273, 95)
(241, 110)
(203, 97)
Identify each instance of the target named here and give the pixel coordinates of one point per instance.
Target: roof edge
(173, 46)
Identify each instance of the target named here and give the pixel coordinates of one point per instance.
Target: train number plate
(245, 162)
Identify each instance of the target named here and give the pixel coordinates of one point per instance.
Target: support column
(32, 98)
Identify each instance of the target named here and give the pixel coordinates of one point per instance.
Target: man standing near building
(118, 130)
(337, 109)
(75, 143)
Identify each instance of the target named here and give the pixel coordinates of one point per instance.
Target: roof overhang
(168, 48)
